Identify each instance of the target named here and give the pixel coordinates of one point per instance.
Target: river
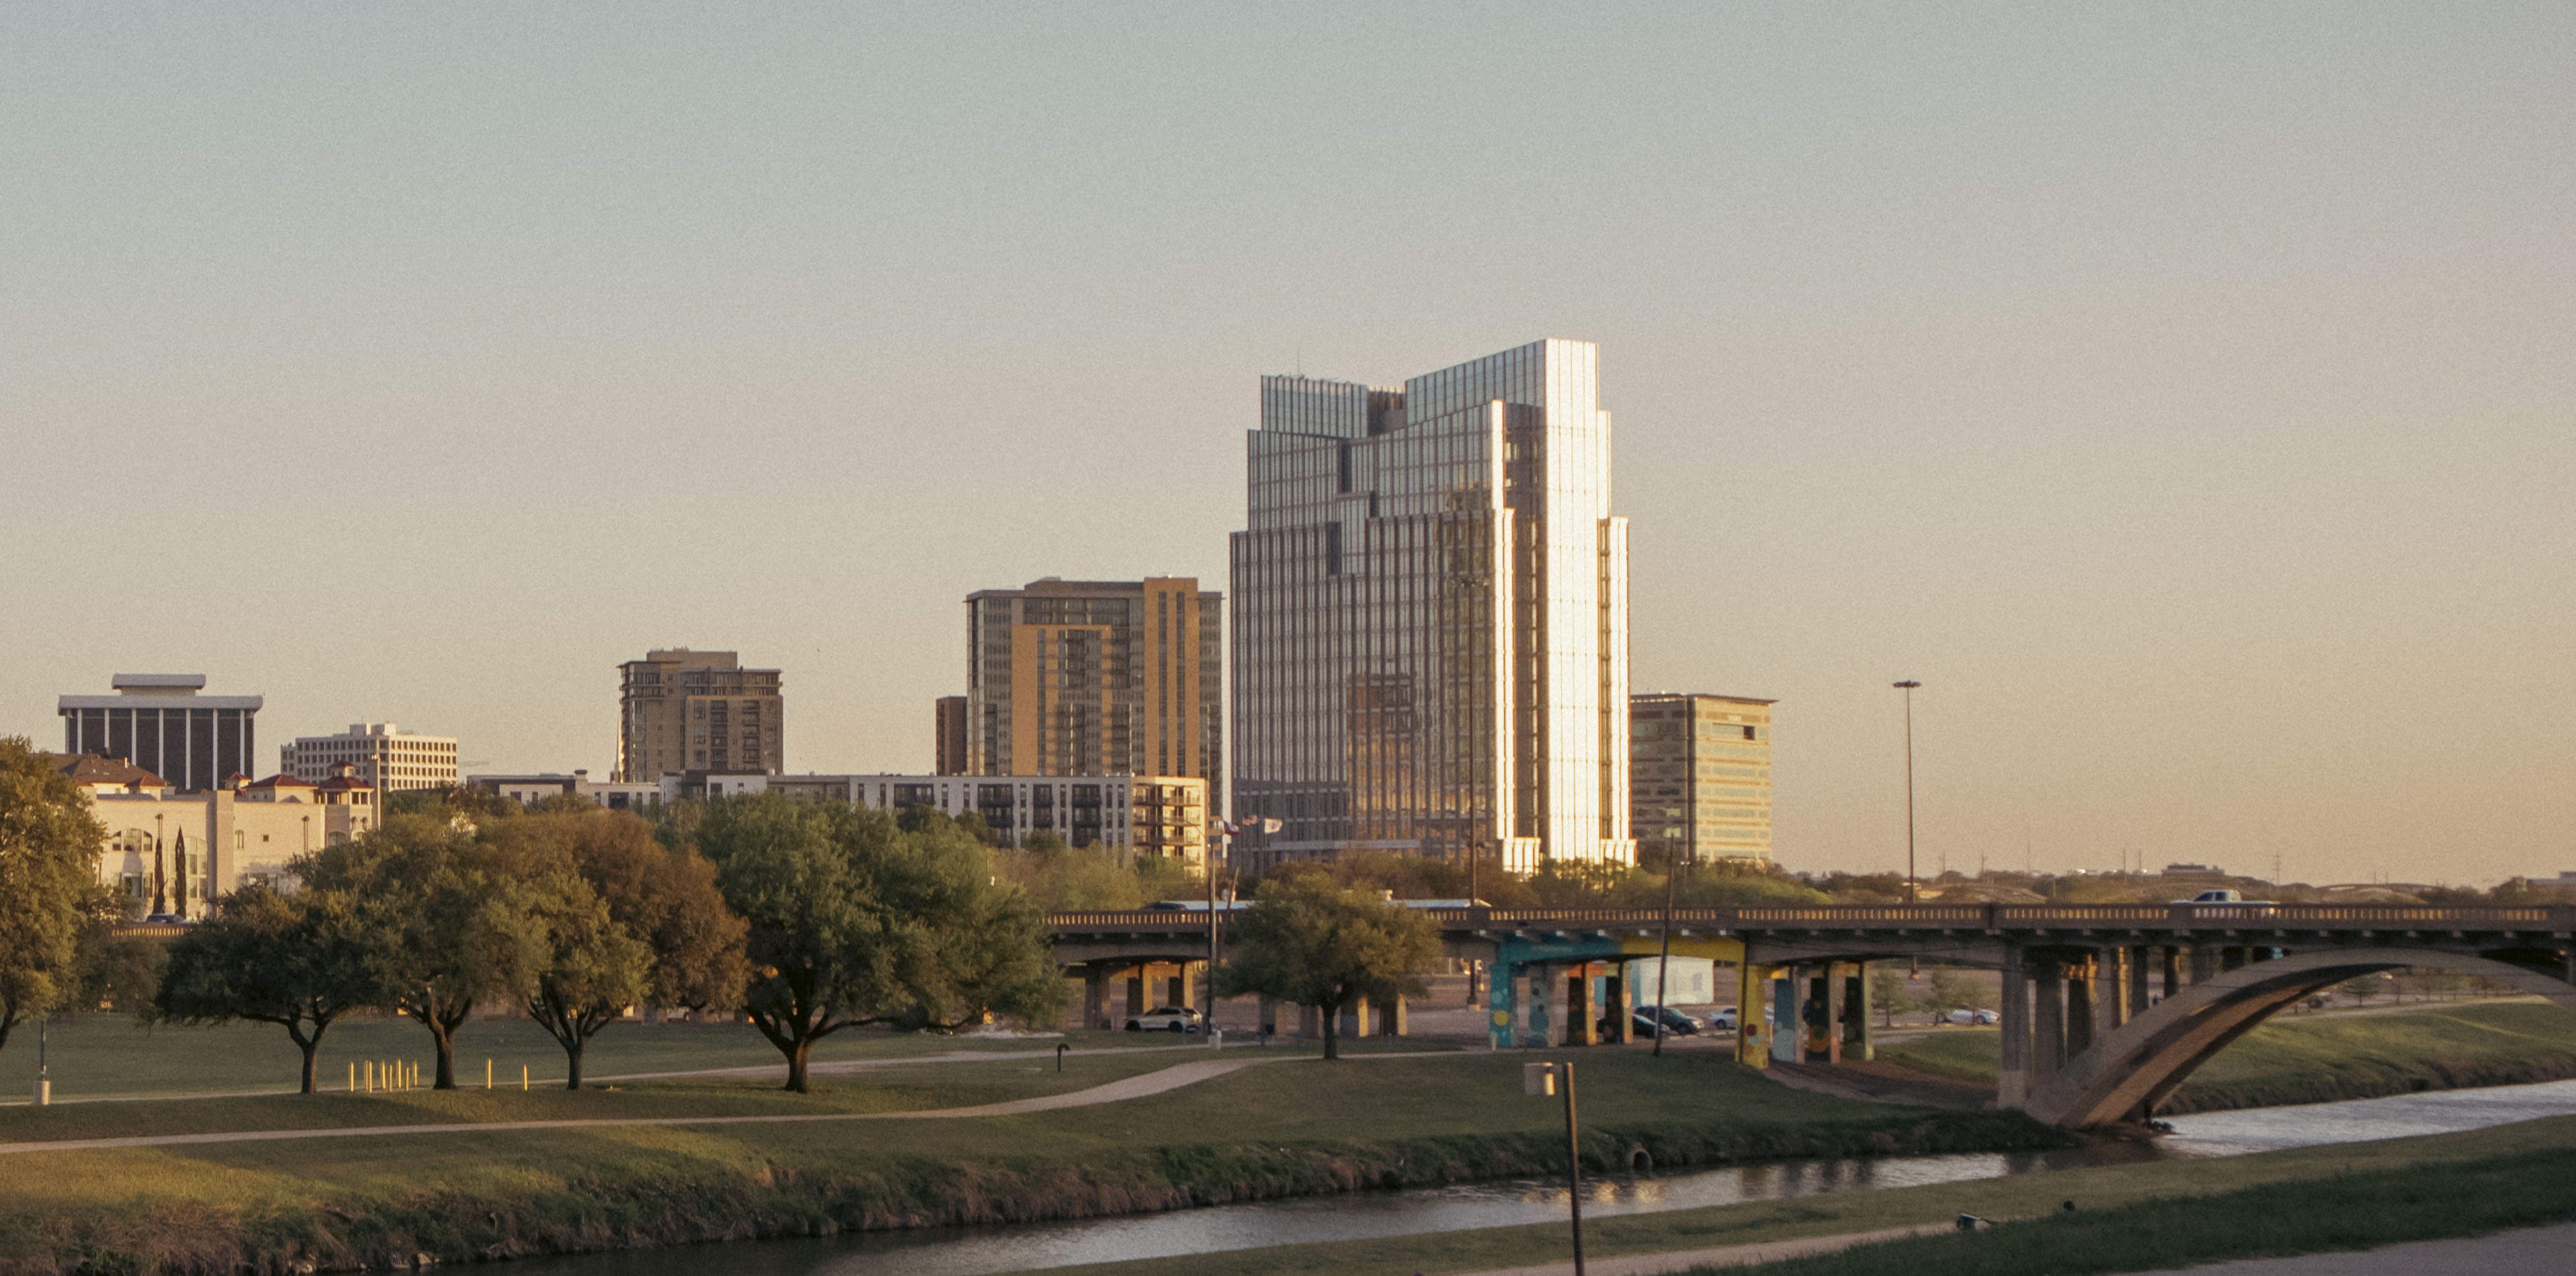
(981, 1251)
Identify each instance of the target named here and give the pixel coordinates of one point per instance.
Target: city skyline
(2180, 398)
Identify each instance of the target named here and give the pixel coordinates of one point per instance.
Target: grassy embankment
(109, 1056)
(2352, 1195)
(2316, 1059)
(1278, 1129)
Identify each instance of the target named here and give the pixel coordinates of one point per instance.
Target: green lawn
(2446, 1167)
(109, 1056)
(2311, 1059)
(1282, 1128)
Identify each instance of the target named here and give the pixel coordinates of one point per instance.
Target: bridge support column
(1836, 1000)
(2173, 970)
(1395, 1018)
(1136, 993)
(2082, 1005)
(2048, 1022)
(2110, 1000)
(1578, 1006)
(1752, 993)
(1179, 987)
(1856, 1042)
(1618, 1002)
(1310, 1024)
(1788, 1022)
(1542, 1026)
(2141, 961)
(1095, 996)
(2012, 1074)
(2204, 963)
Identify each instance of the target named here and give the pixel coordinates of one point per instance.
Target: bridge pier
(1788, 1020)
(2138, 990)
(2048, 1023)
(1856, 1039)
(2012, 1071)
(2173, 970)
(1095, 996)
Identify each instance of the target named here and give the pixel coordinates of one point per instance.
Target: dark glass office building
(161, 723)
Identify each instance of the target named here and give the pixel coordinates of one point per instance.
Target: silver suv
(1165, 1019)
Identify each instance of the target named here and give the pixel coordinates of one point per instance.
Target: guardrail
(2556, 918)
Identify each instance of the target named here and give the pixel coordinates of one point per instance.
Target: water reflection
(981, 1251)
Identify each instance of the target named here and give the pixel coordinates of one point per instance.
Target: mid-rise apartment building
(1430, 617)
(385, 756)
(681, 710)
(161, 723)
(1096, 677)
(1132, 814)
(1700, 777)
(949, 736)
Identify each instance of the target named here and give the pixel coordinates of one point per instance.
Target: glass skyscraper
(1431, 617)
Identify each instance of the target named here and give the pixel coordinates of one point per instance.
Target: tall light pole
(1908, 687)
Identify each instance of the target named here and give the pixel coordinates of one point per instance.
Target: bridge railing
(2558, 918)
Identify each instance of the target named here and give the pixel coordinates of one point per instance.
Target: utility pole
(1908, 687)
(1664, 957)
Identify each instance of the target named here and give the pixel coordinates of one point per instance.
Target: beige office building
(1093, 677)
(1700, 777)
(681, 710)
(176, 852)
(390, 759)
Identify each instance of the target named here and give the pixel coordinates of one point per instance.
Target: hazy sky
(2185, 393)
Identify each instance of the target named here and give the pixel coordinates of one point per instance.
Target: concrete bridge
(2105, 1008)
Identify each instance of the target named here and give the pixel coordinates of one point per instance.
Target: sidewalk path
(2533, 1251)
(1725, 1255)
(1171, 1078)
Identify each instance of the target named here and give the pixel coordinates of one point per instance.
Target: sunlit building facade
(1430, 617)
(1701, 782)
(1096, 677)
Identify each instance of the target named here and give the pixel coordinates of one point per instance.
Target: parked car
(1971, 1017)
(1676, 1024)
(2227, 897)
(1722, 1019)
(1165, 1019)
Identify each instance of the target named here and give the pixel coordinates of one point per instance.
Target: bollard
(487, 1072)
(523, 1076)
(353, 1076)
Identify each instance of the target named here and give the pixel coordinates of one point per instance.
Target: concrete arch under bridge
(2123, 1076)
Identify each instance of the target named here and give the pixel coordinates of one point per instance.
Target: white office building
(385, 757)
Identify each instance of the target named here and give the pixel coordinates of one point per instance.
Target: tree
(1889, 991)
(854, 920)
(48, 865)
(299, 961)
(449, 924)
(1310, 943)
(113, 970)
(621, 920)
(1952, 991)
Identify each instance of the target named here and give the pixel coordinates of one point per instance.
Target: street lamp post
(1908, 687)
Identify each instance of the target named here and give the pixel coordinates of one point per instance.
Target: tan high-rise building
(1700, 777)
(1089, 677)
(681, 710)
(949, 736)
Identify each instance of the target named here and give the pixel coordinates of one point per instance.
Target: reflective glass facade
(1430, 616)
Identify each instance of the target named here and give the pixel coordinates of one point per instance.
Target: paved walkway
(1171, 1078)
(2534, 1251)
(1723, 1255)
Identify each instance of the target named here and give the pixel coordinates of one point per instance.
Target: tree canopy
(48, 868)
(300, 961)
(855, 920)
(1311, 943)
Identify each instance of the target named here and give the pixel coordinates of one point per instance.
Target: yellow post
(371, 1076)
(353, 1076)
(523, 1076)
(487, 1072)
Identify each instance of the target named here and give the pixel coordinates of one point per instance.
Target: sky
(2181, 392)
